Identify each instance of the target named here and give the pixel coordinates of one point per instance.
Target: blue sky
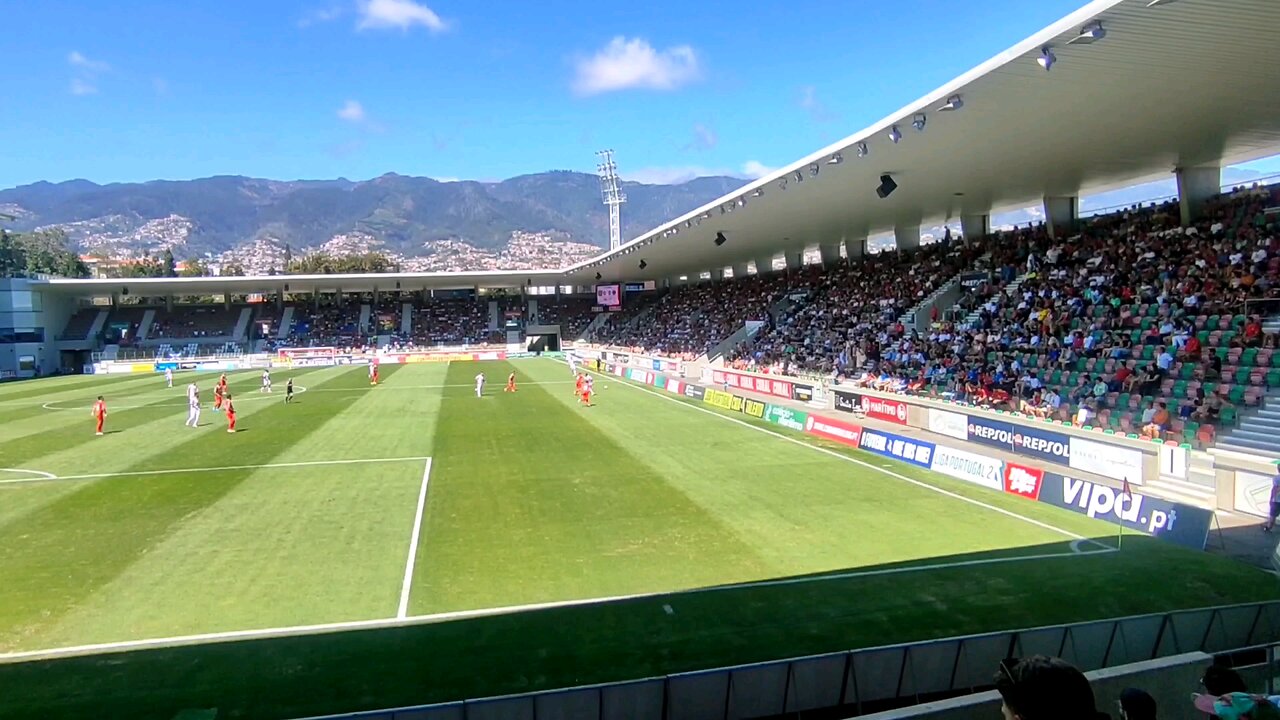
(290, 89)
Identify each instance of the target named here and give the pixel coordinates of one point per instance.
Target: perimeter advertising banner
(724, 400)
(970, 467)
(1029, 441)
(768, 386)
(786, 417)
(1177, 523)
(697, 392)
(874, 407)
(1023, 481)
(1117, 463)
(916, 452)
(953, 425)
(755, 409)
(834, 430)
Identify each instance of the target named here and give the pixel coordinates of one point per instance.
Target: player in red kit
(373, 373)
(100, 412)
(218, 390)
(511, 383)
(586, 391)
(231, 414)
(578, 384)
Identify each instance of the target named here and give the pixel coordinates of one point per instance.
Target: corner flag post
(1126, 493)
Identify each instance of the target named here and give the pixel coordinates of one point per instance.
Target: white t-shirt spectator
(1164, 361)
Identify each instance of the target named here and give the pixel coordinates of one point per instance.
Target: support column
(855, 246)
(315, 299)
(974, 227)
(764, 265)
(168, 304)
(739, 270)
(795, 260)
(717, 273)
(1060, 214)
(1195, 187)
(906, 237)
(830, 253)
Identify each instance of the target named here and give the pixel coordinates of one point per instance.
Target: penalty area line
(855, 461)
(414, 620)
(405, 586)
(48, 477)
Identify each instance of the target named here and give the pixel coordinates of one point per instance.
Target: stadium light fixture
(955, 102)
(643, 264)
(895, 134)
(918, 122)
(862, 149)
(1047, 58)
(759, 192)
(742, 201)
(599, 276)
(1155, 3)
(799, 176)
(813, 170)
(835, 159)
(688, 223)
(720, 239)
(1089, 34)
(782, 184)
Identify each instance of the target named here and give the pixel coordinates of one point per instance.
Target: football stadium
(743, 465)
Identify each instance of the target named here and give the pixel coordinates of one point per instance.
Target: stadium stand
(571, 314)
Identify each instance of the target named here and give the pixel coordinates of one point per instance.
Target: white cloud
(625, 64)
(321, 15)
(809, 102)
(353, 112)
(402, 14)
(78, 60)
(676, 174)
(82, 87)
(704, 138)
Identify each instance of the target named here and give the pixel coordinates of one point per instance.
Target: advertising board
(724, 400)
(834, 430)
(1023, 481)
(1177, 523)
(675, 386)
(756, 409)
(845, 401)
(803, 393)
(1029, 441)
(874, 407)
(953, 425)
(694, 391)
(916, 452)
(1111, 461)
(1253, 493)
(970, 467)
(768, 386)
(786, 417)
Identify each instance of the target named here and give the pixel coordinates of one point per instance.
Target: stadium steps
(1259, 430)
(406, 319)
(597, 322)
(144, 327)
(286, 323)
(1182, 491)
(241, 332)
(365, 312)
(937, 297)
(1009, 290)
(99, 322)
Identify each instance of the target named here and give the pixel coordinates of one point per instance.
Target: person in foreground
(1045, 688)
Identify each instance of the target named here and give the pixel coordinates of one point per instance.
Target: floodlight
(1047, 58)
(895, 134)
(953, 103)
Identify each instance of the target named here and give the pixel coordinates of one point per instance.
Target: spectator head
(1137, 704)
(1237, 706)
(1219, 680)
(1044, 688)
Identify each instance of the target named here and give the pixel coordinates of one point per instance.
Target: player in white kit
(573, 365)
(168, 377)
(480, 385)
(193, 405)
(266, 381)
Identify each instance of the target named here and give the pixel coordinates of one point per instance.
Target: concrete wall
(1170, 681)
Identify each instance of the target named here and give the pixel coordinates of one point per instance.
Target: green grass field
(305, 517)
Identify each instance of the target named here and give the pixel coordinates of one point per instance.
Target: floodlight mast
(611, 193)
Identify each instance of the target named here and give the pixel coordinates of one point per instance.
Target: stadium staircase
(597, 322)
(365, 312)
(241, 333)
(406, 319)
(1010, 290)
(286, 323)
(745, 333)
(1258, 431)
(946, 296)
(99, 322)
(144, 327)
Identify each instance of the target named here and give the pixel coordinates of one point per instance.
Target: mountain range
(404, 215)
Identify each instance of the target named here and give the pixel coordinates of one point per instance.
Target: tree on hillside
(43, 252)
(169, 267)
(232, 268)
(194, 268)
(325, 264)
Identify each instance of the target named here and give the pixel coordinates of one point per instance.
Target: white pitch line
(296, 630)
(846, 458)
(413, 543)
(222, 468)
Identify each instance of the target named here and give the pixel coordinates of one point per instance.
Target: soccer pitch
(449, 544)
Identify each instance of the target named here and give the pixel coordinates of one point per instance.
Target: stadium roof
(160, 287)
(1173, 83)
